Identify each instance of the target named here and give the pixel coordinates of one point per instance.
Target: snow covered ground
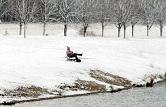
(40, 61)
(57, 30)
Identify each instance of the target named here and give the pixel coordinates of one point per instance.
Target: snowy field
(73, 30)
(40, 61)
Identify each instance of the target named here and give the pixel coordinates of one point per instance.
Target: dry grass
(109, 78)
(88, 33)
(90, 86)
(84, 85)
(31, 91)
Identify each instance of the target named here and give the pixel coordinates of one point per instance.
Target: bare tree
(85, 16)
(16, 11)
(127, 14)
(66, 12)
(24, 11)
(117, 15)
(121, 14)
(148, 14)
(4, 7)
(48, 12)
(136, 13)
(86, 13)
(160, 13)
(102, 13)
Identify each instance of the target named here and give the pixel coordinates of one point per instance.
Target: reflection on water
(139, 97)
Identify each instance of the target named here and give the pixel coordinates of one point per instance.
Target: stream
(136, 97)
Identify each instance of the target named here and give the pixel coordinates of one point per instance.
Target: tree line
(121, 13)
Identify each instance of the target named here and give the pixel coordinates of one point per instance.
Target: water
(139, 97)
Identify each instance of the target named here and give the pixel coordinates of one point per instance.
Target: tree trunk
(147, 30)
(124, 31)
(44, 21)
(132, 30)
(102, 29)
(85, 29)
(25, 28)
(119, 29)
(65, 30)
(44, 28)
(20, 32)
(119, 32)
(161, 29)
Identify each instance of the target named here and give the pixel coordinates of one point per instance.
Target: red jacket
(69, 53)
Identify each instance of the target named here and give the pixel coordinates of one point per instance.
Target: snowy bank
(41, 62)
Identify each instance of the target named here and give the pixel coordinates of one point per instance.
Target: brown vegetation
(85, 85)
(31, 91)
(88, 33)
(109, 78)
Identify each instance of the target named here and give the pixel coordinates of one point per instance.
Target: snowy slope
(41, 61)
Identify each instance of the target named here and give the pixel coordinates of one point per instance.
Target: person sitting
(71, 54)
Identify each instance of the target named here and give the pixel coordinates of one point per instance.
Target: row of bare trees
(121, 13)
